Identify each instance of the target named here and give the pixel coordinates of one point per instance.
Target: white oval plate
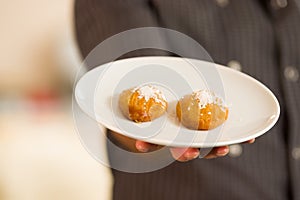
(253, 109)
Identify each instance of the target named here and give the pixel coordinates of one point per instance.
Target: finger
(218, 152)
(251, 141)
(145, 146)
(142, 146)
(184, 154)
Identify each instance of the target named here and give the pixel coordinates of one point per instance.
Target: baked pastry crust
(143, 104)
(201, 110)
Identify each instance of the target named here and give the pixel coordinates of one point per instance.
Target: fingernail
(142, 148)
(192, 155)
(222, 152)
(195, 155)
(252, 141)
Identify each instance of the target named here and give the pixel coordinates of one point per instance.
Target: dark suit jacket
(264, 38)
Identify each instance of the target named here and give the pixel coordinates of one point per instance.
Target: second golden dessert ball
(143, 104)
(201, 110)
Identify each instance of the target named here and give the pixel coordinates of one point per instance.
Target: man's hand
(180, 154)
(186, 154)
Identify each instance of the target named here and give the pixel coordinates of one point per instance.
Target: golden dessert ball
(143, 104)
(201, 110)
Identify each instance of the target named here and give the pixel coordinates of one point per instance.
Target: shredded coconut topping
(150, 92)
(205, 97)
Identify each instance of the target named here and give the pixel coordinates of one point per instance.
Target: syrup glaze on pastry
(143, 104)
(201, 110)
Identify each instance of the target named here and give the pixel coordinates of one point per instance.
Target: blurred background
(41, 156)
